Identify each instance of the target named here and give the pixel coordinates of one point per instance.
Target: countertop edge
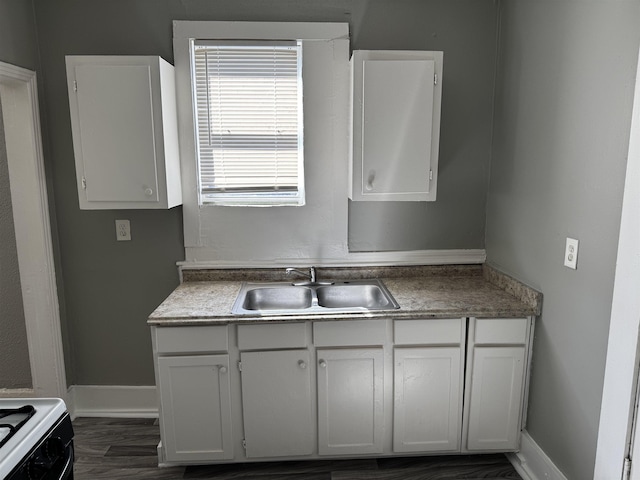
(516, 288)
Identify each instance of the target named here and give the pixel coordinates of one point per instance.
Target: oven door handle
(67, 470)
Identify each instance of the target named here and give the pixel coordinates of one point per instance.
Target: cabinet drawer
(269, 336)
(351, 332)
(192, 339)
(512, 331)
(428, 332)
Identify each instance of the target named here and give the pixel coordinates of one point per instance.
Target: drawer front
(192, 339)
(349, 332)
(270, 336)
(511, 331)
(429, 332)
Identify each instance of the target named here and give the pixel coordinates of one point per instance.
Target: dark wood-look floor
(126, 449)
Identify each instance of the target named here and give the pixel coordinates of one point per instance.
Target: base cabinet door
(427, 406)
(495, 398)
(276, 403)
(350, 401)
(196, 407)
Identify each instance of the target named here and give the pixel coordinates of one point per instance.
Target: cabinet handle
(370, 180)
(148, 191)
(302, 364)
(323, 364)
(223, 369)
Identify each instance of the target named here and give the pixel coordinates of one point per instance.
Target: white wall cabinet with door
(193, 379)
(396, 104)
(428, 383)
(498, 353)
(125, 133)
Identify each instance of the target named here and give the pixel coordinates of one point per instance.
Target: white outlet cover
(571, 253)
(123, 230)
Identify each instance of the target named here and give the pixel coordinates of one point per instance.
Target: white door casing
(19, 96)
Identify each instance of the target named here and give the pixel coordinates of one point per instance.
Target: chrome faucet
(311, 275)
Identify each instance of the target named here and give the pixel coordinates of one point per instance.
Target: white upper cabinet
(125, 135)
(396, 98)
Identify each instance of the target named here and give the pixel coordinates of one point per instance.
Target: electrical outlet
(571, 253)
(123, 230)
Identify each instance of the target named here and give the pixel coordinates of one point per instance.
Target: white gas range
(36, 439)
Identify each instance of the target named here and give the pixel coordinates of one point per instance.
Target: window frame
(247, 197)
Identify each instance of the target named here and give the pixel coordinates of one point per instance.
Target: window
(251, 237)
(248, 119)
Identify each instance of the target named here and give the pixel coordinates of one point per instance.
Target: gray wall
(15, 371)
(110, 287)
(18, 46)
(564, 94)
(18, 39)
(466, 32)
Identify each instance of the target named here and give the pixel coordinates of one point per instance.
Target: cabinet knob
(148, 191)
(323, 364)
(302, 364)
(223, 369)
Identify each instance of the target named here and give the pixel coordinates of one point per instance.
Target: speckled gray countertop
(207, 296)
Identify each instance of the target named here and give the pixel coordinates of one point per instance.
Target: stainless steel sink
(314, 297)
(348, 296)
(277, 298)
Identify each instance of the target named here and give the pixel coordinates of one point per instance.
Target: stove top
(23, 422)
(12, 420)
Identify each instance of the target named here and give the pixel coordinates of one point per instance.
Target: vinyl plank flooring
(115, 449)
(307, 467)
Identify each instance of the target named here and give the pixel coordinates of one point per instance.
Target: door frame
(616, 430)
(19, 97)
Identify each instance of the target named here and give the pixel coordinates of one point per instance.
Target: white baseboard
(112, 401)
(532, 463)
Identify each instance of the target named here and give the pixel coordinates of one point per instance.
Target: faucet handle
(312, 272)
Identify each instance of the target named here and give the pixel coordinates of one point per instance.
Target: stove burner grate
(24, 413)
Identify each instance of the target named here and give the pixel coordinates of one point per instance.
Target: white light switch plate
(571, 253)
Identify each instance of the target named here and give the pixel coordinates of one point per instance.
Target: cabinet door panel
(397, 123)
(196, 407)
(427, 399)
(276, 401)
(117, 132)
(495, 398)
(350, 401)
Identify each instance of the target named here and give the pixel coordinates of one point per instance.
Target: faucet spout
(311, 275)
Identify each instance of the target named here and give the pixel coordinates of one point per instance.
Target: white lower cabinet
(196, 407)
(427, 399)
(350, 401)
(303, 390)
(497, 379)
(428, 382)
(495, 398)
(276, 403)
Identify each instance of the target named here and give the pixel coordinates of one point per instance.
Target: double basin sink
(313, 297)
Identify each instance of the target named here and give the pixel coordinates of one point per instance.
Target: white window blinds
(248, 107)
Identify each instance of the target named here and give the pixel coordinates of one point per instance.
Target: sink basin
(327, 297)
(347, 296)
(288, 298)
